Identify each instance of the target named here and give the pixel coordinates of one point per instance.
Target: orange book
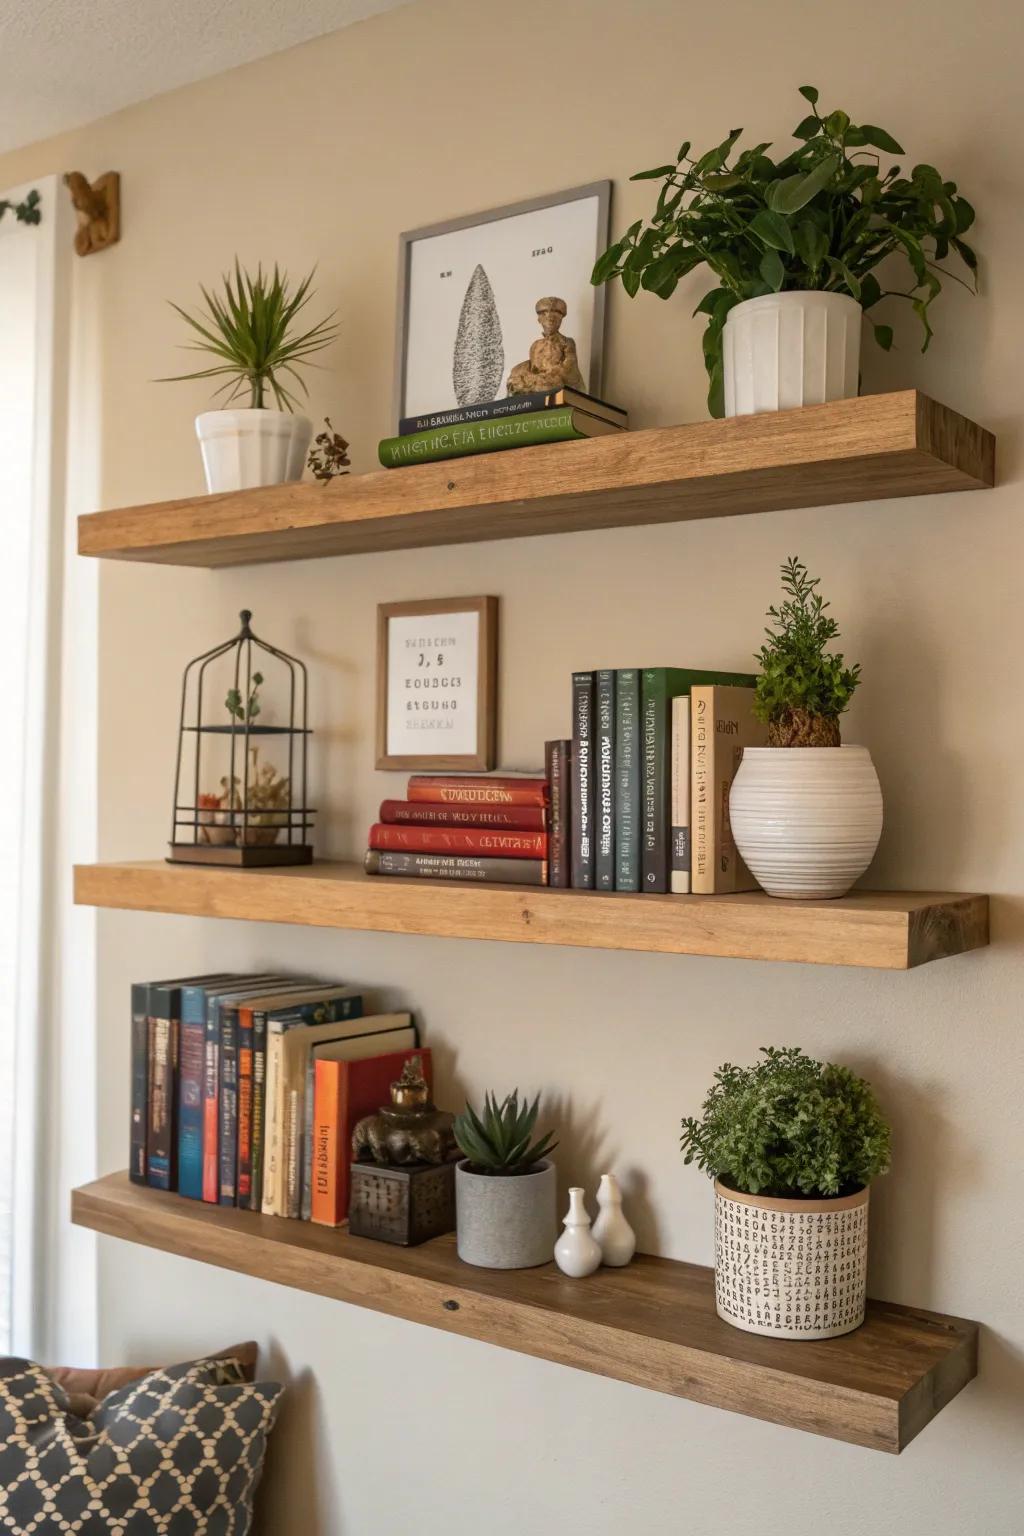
(343, 1092)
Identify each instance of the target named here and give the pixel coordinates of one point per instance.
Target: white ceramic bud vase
(806, 820)
(612, 1232)
(245, 449)
(576, 1252)
(790, 349)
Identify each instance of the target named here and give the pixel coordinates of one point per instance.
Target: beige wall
(323, 155)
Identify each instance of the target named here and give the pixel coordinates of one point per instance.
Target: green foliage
(789, 1126)
(248, 711)
(796, 672)
(251, 329)
(822, 217)
(499, 1141)
(26, 212)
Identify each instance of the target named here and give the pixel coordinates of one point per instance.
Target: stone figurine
(552, 363)
(408, 1131)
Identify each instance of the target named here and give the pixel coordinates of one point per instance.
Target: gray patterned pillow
(177, 1453)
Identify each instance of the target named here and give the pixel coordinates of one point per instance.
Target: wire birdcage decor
(240, 785)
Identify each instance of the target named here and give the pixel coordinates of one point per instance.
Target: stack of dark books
(465, 827)
(518, 421)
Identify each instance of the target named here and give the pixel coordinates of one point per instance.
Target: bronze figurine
(408, 1131)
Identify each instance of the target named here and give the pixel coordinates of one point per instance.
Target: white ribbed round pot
(244, 449)
(806, 820)
(505, 1221)
(791, 1269)
(790, 349)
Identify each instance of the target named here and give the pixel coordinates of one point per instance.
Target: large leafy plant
(824, 216)
(802, 689)
(499, 1140)
(789, 1126)
(252, 329)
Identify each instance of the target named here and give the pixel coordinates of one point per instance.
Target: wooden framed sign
(437, 680)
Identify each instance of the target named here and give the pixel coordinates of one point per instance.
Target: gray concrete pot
(505, 1222)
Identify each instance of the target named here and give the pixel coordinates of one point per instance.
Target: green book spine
(554, 426)
(604, 783)
(659, 687)
(627, 779)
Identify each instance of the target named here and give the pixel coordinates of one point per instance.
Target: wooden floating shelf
(891, 930)
(653, 1324)
(871, 448)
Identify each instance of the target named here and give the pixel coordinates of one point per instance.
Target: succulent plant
(499, 1141)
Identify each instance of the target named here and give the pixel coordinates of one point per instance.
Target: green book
(627, 779)
(659, 686)
(559, 425)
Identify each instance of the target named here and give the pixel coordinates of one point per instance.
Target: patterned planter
(790, 1269)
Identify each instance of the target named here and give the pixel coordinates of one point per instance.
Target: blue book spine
(190, 1092)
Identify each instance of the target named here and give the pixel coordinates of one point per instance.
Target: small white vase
(576, 1252)
(806, 820)
(790, 349)
(612, 1232)
(245, 449)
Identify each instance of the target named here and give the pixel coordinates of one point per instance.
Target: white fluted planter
(790, 349)
(245, 449)
(791, 1269)
(806, 820)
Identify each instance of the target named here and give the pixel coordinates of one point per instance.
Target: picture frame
(437, 682)
(543, 245)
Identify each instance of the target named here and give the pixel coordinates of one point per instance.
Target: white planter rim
(808, 1207)
(802, 297)
(801, 752)
(230, 418)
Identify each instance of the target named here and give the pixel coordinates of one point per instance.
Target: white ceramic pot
(791, 1269)
(806, 820)
(790, 349)
(244, 449)
(505, 1221)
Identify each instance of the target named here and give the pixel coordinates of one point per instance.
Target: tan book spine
(272, 1127)
(680, 841)
(723, 724)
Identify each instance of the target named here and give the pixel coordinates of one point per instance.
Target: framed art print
(467, 291)
(437, 674)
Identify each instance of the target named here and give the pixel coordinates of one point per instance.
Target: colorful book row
(236, 1083)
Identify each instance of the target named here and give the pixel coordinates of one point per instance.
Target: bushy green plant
(500, 1139)
(789, 1126)
(802, 690)
(251, 328)
(822, 217)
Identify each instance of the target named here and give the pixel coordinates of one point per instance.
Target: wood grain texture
(890, 930)
(653, 1324)
(872, 448)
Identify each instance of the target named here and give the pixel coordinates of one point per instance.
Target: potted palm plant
(795, 245)
(806, 811)
(505, 1214)
(793, 1146)
(255, 339)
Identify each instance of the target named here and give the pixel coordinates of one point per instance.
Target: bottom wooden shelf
(653, 1324)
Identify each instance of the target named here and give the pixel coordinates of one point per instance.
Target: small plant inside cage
(241, 782)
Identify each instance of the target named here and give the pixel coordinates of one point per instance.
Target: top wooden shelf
(867, 449)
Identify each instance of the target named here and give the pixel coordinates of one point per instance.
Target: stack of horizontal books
(640, 794)
(518, 421)
(465, 827)
(245, 1089)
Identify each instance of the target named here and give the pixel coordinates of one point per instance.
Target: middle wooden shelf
(889, 930)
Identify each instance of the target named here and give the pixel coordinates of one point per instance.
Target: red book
(517, 818)
(494, 843)
(477, 790)
(343, 1092)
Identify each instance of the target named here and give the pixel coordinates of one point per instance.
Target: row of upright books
(640, 794)
(465, 827)
(245, 1088)
(516, 421)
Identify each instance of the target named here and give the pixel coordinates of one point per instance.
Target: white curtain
(37, 932)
